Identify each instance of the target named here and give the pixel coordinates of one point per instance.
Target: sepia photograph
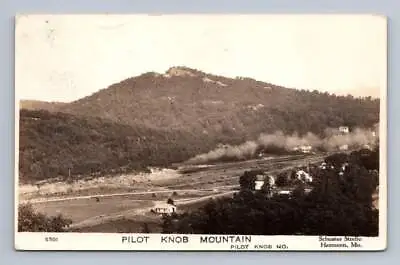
(200, 132)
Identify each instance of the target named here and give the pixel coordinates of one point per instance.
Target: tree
(337, 160)
(358, 184)
(266, 188)
(167, 224)
(145, 228)
(247, 180)
(299, 191)
(31, 221)
(282, 179)
(170, 201)
(366, 158)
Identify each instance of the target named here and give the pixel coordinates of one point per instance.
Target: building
(284, 192)
(303, 148)
(258, 184)
(344, 166)
(344, 129)
(344, 147)
(367, 146)
(324, 166)
(303, 176)
(261, 179)
(261, 154)
(164, 208)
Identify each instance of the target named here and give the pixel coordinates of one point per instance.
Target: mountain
(40, 105)
(158, 119)
(201, 103)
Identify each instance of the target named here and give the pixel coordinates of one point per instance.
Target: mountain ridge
(186, 98)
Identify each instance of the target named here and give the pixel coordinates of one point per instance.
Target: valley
(188, 190)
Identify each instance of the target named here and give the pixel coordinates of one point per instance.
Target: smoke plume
(278, 142)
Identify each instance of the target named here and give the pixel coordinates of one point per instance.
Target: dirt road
(44, 200)
(131, 213)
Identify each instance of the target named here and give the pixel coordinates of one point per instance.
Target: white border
(100, 241)
(113, 241)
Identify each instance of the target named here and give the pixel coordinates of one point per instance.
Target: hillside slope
(188, 99)
(55, 145)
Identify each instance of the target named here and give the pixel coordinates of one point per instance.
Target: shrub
(282, 180)
(145, 228)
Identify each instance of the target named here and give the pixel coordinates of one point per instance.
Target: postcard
(201, 132)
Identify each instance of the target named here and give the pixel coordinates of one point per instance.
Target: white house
(164, 208)
(367, 146)
(344, 129)
(261, 179)
(285, 192)
(307, 190)
(303, 176)
(303, 148)
(258, 184)
(344, 166)
(344, 147)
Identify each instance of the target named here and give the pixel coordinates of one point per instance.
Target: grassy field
(88, 212)
(80, 210)
(122, 225)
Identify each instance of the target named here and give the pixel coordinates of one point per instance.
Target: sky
(67, 57)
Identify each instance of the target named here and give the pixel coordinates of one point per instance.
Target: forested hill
(189, 99)
(51, 144)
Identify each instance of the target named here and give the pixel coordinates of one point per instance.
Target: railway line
(292, 161)
(234, 170)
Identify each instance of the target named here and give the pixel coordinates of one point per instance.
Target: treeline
(59, 145)
(339, 204)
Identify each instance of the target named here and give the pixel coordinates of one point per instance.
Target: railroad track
(224, 165)
(248, 165)
(294, 159)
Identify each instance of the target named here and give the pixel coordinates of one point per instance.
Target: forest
(59, 145)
